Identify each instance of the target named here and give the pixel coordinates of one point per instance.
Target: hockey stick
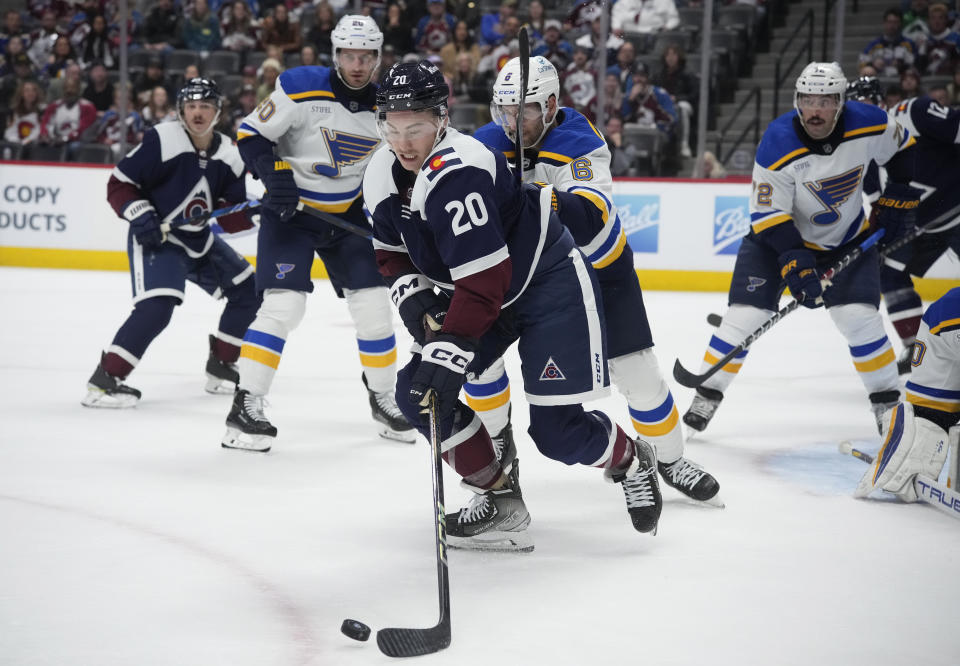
(521, 107)
(203, 217)
(334, 220)
(690, 380)
(414, 642)
(928, 490)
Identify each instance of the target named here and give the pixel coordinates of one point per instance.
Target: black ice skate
(391, 423)
(503, 445)
(640, 487)
(494, 520)
(247, 426)
(222, 377)
(705, 403)
(880, 403)
(106, 391)
(905, 361)
(690, 479)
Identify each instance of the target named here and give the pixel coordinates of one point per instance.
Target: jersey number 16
(475, 209)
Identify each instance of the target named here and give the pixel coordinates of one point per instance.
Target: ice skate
(222, 377)
(247, 426)
(391, 423)
(705, 403)
(106, 391)
(640, 487)
(905, 360)
(503, 445)
(494, 520)
(691, 480)
(880, 403)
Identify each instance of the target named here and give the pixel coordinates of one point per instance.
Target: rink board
(684, 233)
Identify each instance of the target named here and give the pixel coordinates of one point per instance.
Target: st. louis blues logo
(833, 193)
(344, 149)
(283, 269)
(551, 372)
(755, 283)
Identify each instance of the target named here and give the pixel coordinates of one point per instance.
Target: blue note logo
(640, 217)
(283, 269)
(731, 222)
(344, 149)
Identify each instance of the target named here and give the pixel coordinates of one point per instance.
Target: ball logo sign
(640, 217)
(731, 222)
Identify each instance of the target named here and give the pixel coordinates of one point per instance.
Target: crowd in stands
(917, 53)
(60, 84)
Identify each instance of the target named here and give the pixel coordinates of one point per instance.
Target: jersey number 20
(475, 209)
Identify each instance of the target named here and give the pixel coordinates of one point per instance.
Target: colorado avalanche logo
(833, 193)
(196, 206)
(551, 372)
(344, 149)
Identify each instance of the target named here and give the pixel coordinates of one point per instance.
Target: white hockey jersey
(326, 136)
(935, 380)
(817, 185)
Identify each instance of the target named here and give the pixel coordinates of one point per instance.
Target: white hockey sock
(655, 417)
(372, 317)
(489, 396)
(870, 349)
(280, 313)
(739, 322)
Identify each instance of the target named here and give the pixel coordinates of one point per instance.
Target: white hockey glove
(911, 446)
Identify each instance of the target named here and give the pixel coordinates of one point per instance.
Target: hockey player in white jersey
(563, 149)
(309, 143)
(806, 211)
(916, 432)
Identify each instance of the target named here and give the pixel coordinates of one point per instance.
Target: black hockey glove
(282, 194)
(421, 308)
(798, 268)
(146, 229)
(895, 211)
(442, 370)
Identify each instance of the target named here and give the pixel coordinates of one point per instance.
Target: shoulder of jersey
(173, 140)
(860, 119)
(229, 154)
(944, 314)
(306, 84)
(378, 177)
(780, 144)
(492, 135)
(454, 153)
(574, 137)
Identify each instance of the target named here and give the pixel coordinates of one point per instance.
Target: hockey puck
(358, 631)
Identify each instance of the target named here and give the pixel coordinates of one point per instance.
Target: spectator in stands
(13, 48)
(281, 31)
(244, 105)
(62, 55)
(554, 46)
(325, 21)
(891, 52)
(397, 30)
(151, 77)
(491, 25)
(97, 45)
(915, 19)
(239, 28)
(910, 83)
(26, 107)
(579, 86)
(612, 101)
(248, 76)
(623, 66)
(110, 130)
(308, 56)
(590, 39)
(201, 30)
(270, 71)
(436, 28)
(158, 109)
(461, 43)
(99, 90)
(71, 72)
(893, 95)
(43, 39)
(938, 93)
(191, 71)
(22, 71)
(12, 27)
(953, 88)
(67, 119)
(939, 51)
(649, 105)
(162, 29)
(535, 20)
(711, 166)
(683, 89)
(646, 16)
(466, 83)
(622, 156)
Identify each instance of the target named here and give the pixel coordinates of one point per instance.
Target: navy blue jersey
(463, 221)
(166, 173)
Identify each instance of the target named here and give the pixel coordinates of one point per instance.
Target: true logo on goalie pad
(551, 372)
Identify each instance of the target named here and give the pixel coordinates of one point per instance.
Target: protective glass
(818, 102)
(506, 115)
(392, 132)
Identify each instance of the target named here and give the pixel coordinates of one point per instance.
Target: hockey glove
(421, 308)
(895, 211)
(282, 194)
(442, 371)
(146, 229)
(235, 222)
(798, 268)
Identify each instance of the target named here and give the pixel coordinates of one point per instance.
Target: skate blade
(217, 386)
(714, 502)
(405, 436)
(235, 439)
(100, 400)
(494, 542)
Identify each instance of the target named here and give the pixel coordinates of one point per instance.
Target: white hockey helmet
(543, 83)
(821, 78)
(355, 31)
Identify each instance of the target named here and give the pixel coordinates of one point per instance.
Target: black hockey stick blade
(414, 642)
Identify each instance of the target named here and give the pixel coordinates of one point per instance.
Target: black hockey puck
(358, 631)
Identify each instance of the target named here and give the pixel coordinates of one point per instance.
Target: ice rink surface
(131, 538)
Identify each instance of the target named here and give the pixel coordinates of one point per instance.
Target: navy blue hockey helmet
(199, 89)
(866, 88)
(413, 86)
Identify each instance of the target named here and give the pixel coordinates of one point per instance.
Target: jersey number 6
(475, 209)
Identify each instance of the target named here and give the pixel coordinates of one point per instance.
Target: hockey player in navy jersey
(566, 151)
(806, 211)
(915, 433)
(179, 170)
(448, 212)
(937, 132)
(309, 143)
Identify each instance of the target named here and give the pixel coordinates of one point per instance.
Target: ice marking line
(293, 617)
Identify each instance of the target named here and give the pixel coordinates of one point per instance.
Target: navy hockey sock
(148, 318)
(239, 312)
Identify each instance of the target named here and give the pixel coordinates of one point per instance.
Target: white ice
(131, 538)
